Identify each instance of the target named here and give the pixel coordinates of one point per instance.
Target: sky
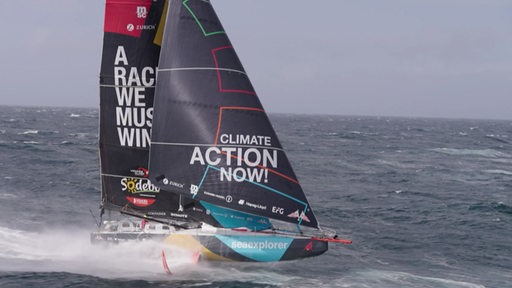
(410, 58)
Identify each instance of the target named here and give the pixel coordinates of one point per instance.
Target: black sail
(211, 138)
(131, 49)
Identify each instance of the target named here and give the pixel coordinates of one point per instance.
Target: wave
(397, 164)
(383, 279)
(499, 207)
(498, 171)
(498, 138)
(82, 135)
(489, 153)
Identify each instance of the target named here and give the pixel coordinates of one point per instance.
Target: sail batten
(210, 145)
(199, 69)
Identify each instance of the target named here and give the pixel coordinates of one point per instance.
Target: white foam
(70, 251)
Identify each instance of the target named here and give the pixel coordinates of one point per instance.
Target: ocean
(426, 202)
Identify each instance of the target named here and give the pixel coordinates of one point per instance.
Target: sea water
(427, 203)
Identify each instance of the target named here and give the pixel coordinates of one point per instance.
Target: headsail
(211, 138)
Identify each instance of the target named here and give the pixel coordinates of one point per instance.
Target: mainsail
(211, 138)
(131, 49)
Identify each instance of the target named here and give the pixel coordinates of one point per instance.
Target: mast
(211, 139)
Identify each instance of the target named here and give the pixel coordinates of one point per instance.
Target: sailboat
(186, 148)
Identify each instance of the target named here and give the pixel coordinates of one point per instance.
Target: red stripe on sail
(219, 77)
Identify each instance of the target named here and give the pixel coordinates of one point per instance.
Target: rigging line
(201, 182)
(122, 176)
(200, 68)
(125, 86)
(133, 77)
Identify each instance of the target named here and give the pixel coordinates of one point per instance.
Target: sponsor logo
(156, 213)
(266, 245)
(130, 27)
(176, 215)
(215, 195)
(252, 205)
(194, 189)
(277, 210)
(140, 202)
(198, 210)
(229, 199)
(146, 27)
(263, 221)
(257, 206)
(299, 216)
(142, 12)
(136, 186)
(172, 183)
(140, 172)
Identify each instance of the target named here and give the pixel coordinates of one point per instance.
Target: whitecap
(29, 132)
(499, 171)
(490, 153)
(6, 196)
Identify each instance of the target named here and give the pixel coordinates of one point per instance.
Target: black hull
(248, 246)
(226, 244)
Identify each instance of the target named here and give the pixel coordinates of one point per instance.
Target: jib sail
(211, 138)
